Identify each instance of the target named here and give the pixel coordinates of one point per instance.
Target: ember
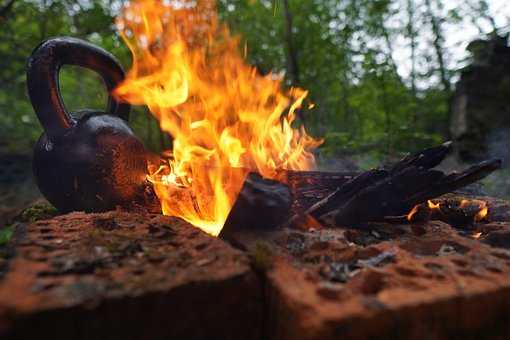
(222, 114)
(455, 212)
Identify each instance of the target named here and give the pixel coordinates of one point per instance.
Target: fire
(413, 212)
(224, 117)
(477, 235)
(430, 206)
(433, 205)
(451, 211)
(482, 212)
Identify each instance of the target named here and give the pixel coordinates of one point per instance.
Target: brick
(126, 275)
(386, 281)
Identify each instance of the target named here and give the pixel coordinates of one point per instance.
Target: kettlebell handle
(43, 79)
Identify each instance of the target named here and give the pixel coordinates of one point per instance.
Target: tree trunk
(292, 58)
(292, 55)
(438, 46)
(411, 32)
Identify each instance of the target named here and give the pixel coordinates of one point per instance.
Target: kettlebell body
(93, 163)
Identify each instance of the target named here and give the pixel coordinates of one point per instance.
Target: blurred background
(387, 77)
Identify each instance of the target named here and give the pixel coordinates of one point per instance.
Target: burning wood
(226, 121)
(262, 204)
(376, 194)
(454, 212)
(221, 113)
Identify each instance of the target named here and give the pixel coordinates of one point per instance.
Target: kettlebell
(93, 163)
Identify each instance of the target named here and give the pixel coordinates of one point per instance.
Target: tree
(438, 42)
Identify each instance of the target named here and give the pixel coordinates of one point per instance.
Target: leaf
(6, 235)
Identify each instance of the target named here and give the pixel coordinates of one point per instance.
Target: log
(348, 199)
(375, 194)
(261, 204)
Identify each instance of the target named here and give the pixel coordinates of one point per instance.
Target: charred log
(345, 199)
(378, 193)
(261, 204)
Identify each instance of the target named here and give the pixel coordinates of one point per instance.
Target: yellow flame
(433, 205)
(224, 117)
(482, 213)
(413, 212)
(479, 204)
(430, 205)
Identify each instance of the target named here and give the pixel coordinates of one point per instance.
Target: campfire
(236, 138)
(225, 118)
(287, 251)
(239, 157)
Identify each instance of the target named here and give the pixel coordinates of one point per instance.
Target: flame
(413, 212)
(224, 117)
(483, 210)
(433, 205)
(430, 205)
(465, 207)
(477, 235)
(482, 214)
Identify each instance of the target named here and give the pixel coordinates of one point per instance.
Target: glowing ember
(430, 205)
(464, 211)
(413, 212)
(433, 205)
(477, 205)
(224, 116)
(476, 236)
(482, 214)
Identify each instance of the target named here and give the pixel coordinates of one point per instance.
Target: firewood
(378, 193)
(261, 204)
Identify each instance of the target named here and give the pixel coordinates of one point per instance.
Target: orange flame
(413, 212)
(430, 205)
(223, 116)
(479, 204)
(477, 235)
(433, 205)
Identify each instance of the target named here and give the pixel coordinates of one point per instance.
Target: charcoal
(262, 204)
(378, 193)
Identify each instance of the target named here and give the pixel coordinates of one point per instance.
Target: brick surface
(387, 281)
(143, 276)
(126, 275)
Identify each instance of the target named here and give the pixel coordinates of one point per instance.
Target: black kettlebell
(94, 163)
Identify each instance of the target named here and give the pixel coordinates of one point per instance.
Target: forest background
(380, 72)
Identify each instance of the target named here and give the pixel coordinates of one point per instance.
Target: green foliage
(344, 51)
(27, 24)
(6, 235)
(38, 212)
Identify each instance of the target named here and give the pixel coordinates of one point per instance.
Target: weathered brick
(386, 281)
(121, 275)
